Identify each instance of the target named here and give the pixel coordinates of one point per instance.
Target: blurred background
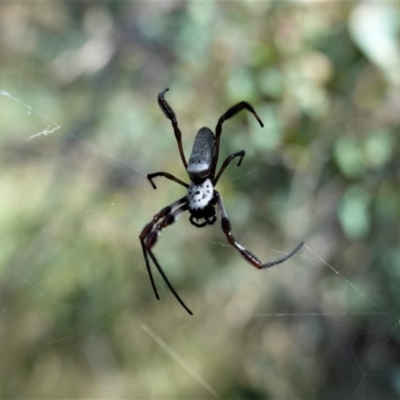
(81, 129)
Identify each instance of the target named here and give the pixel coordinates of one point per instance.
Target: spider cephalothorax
(202, 200)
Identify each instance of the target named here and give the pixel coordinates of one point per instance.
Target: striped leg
(148, 239)
(248, 256)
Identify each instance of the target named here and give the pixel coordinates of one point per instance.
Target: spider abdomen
(200, 195)
(203, 152)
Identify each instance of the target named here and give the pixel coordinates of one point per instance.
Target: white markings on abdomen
(200, 195)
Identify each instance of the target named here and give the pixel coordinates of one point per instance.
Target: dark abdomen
(203, 152)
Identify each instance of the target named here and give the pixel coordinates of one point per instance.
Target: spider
(202, 199)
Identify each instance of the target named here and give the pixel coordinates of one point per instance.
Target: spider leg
(149, 241)
(153, 284)
(227, 161)
(171, 288)
(170, 114)
(146, 231)
(150, 177)
(231, 112)
(248, 256)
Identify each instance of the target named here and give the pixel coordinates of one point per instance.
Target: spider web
(91, 339)
(365, 371)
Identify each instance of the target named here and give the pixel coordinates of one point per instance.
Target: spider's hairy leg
(171, 288)
(148, 239)
(282, 259)
(170, 114)
(248, 256)
(167, 221)
(232, 111)
(227, 161)
(146, 231)
(229, 113)
(167, 175)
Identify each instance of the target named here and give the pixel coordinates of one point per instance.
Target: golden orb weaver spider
(202, 199)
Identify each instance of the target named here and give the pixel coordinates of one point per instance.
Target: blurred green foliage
(78, 317)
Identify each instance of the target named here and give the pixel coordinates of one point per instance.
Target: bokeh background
(81, 128)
